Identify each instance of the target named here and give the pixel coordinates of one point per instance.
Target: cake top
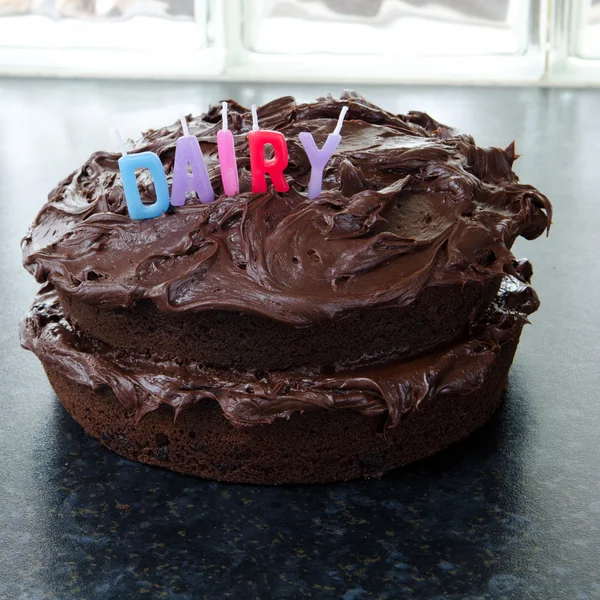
(407, 203)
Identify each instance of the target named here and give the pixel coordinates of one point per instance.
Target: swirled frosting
(406, 203)
(144, 383)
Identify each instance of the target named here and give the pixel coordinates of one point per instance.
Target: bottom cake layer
(311, 447)
(279, 427)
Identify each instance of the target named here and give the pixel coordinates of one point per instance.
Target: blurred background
(378, 41)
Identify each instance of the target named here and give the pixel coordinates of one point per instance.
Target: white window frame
(547, 60)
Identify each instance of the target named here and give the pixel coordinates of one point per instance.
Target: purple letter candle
(187, 153)
(318, 158)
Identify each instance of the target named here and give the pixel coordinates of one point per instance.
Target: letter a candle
(188, 152)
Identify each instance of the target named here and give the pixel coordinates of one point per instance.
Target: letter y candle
(319, 158)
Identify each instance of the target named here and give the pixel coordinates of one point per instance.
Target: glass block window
(340, 41)
(107, 37)
(574, 56)
(387, 27)
(587, 30)
(118, 24)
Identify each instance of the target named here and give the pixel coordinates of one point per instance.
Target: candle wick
(224, 113)
(254, 118)
(184, 126)
(340, 122)
(120, 141)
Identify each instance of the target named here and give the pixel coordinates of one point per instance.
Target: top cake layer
(407, 204)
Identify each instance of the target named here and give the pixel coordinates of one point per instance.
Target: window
(108, 37)
(303, 40)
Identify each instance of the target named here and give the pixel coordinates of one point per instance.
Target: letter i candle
(226, 149)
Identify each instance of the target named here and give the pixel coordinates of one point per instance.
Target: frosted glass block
(587, 30)
(575, 42)
(396, 28)
(112, 38)
(127, 25)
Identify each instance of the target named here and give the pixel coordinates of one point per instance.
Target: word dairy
(190, 174)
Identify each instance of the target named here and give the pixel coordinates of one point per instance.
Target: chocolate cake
(267, 338)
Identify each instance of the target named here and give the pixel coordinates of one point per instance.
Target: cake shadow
(481, 444)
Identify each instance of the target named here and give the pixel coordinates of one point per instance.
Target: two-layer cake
(268, 338)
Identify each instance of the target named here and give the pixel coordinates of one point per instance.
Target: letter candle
(226, 149)
(188, 152)
(259, 165)
(128, 163)
(319, 158)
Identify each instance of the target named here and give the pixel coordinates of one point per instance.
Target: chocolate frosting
(406, 203)
(144, 383)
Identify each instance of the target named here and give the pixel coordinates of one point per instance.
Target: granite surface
(513, 512)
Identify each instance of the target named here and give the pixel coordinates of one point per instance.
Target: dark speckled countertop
(513, 512)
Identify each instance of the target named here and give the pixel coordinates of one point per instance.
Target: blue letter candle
(318, 158)
(188, 152)
(128, 163)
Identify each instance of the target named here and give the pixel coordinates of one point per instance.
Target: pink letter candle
(188, 152)
(229, 173)
(259, 165)
(128, 163)
(319, 158)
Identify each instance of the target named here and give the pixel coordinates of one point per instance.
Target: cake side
(314, 447)
(280, 427)
(439, 316)
(143, 383)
